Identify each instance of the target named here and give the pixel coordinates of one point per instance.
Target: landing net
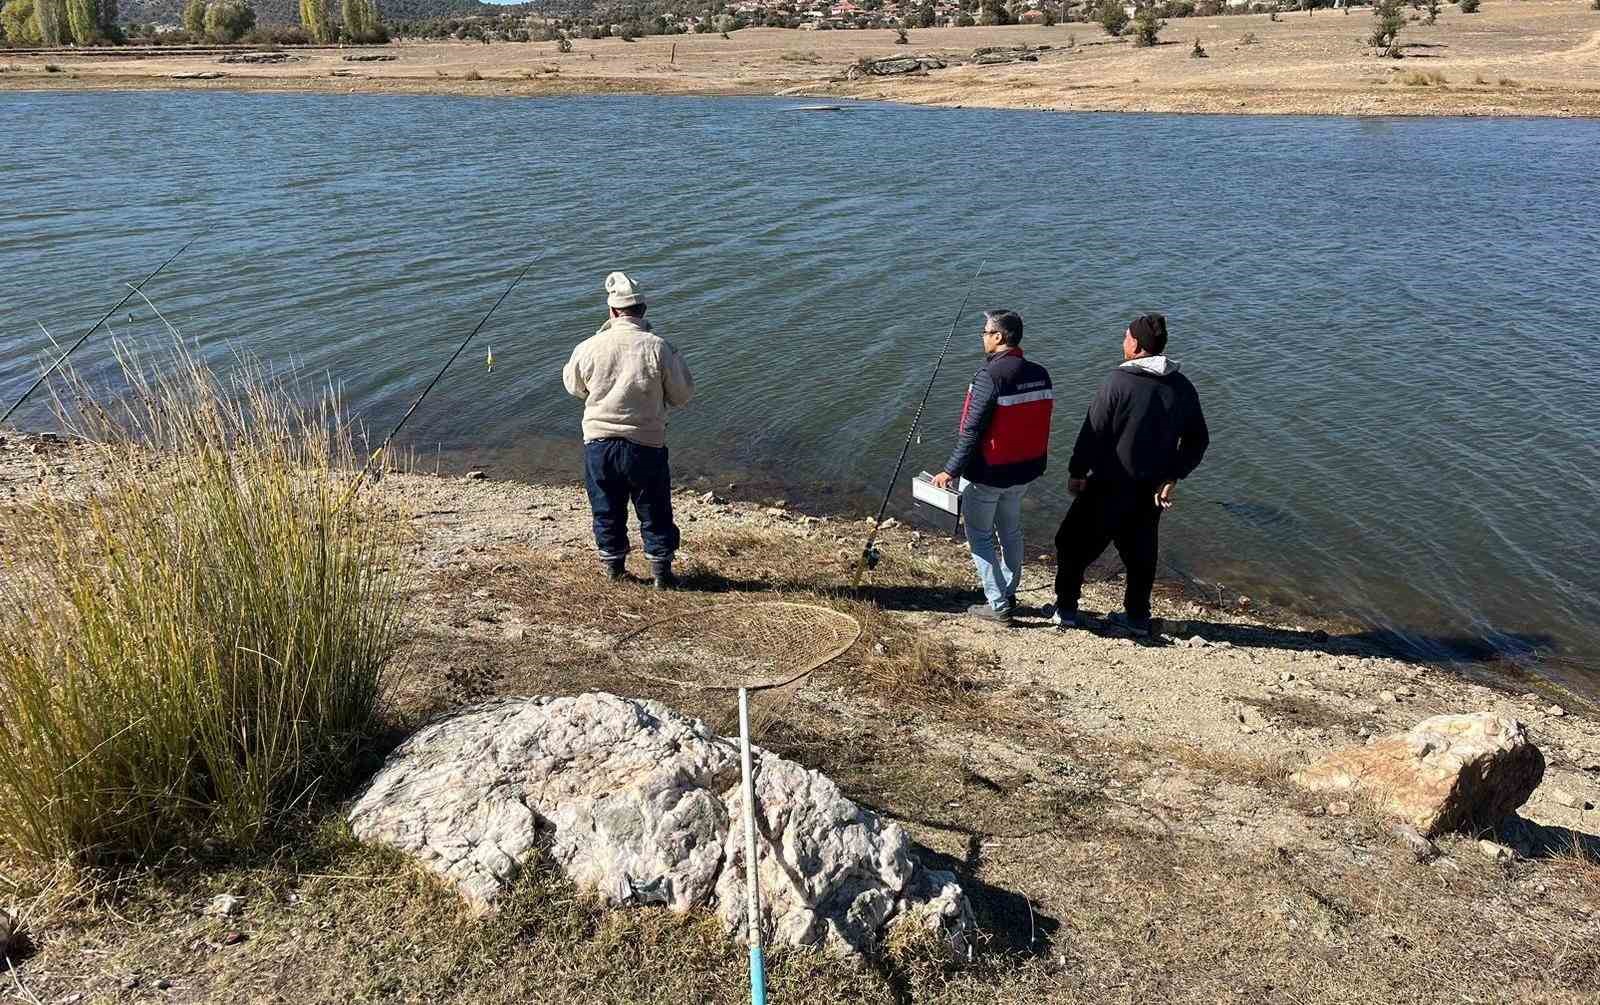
(758, 646)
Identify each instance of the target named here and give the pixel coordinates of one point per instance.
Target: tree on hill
(361, 22)
(194, 18)
(314, 18)
(1388, 19)
(1147, 25)
(1113, 17)
(83, 21)
(1432, 9)
(228, 20)
(50, 16)
(17, 23)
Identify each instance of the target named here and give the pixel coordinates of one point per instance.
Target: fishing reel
(871, 556)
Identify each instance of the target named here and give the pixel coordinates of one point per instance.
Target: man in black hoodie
(1143, 433)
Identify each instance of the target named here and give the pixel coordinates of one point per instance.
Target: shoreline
(1536, 59)
(1185, 597)
(1124, 806)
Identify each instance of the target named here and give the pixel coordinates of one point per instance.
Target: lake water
(1391, 322)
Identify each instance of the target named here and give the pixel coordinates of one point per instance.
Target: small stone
(1561, 797)
(1339, 809)
(890, 523)
(130, 982)
(1497, 853)
(1529, 696)
(163, 984)
(476, 476)
(1387, 697)
(232, 938)
(1286, 676)
(1555, 710)
(1196, 642)
(1405, 692)
(1421, 847)
(224, 905)
(711, 499)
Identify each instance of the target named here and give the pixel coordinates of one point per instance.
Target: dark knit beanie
(1150, 332)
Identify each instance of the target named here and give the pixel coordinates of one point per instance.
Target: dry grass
(1429, 78)
(1508, 82)
(808, 56)
(472, 74)
(199, 642)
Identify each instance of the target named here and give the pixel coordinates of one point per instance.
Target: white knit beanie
(621, 292)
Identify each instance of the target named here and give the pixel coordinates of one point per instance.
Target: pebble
(1196, 642)
(1387, 697)
(1556, 711)
(712, 499)
(232, 938)
(476, 476)
(163, 984)
(1339, 809)
(1497, 853)
(224, 905)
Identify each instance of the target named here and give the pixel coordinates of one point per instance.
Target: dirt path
(1532, 57)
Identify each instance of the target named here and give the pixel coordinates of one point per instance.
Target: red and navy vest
(1015, 444)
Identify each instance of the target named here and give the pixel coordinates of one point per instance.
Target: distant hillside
(276, 12)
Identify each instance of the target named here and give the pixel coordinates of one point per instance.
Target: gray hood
(1155, 366)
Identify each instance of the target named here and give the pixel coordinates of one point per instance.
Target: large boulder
(1450, 772)
(644, 806)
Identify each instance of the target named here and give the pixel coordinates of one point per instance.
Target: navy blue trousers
(617, 471)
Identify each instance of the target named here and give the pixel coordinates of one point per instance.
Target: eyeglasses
(988, 332)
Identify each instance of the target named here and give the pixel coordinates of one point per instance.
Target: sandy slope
(1530, 57)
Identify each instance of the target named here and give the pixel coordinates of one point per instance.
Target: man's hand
(943, 480)
(1165, 495)
(1075, 486)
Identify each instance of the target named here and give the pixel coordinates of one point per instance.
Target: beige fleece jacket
(627, 377)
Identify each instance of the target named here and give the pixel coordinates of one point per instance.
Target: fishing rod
(869, 553)
(93, 328)
(361, 476)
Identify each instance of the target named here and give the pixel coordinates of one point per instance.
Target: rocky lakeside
(1123, 817)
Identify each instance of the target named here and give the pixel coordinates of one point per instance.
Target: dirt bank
(1118, 811)
(1533, 57)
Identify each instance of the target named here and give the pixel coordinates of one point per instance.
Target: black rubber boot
(615, 568)
(661, 572)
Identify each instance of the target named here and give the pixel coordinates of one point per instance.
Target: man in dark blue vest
(1143, 433)
(1003, 441)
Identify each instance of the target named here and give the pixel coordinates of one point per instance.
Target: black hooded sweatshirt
(1144, 427)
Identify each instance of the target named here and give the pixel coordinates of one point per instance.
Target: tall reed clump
(200, 641)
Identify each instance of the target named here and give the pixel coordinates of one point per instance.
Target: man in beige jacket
(627, 377)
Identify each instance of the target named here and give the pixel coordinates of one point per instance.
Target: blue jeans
(988, 512)
(617, 471)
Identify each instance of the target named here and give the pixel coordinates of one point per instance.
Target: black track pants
(1126, 516)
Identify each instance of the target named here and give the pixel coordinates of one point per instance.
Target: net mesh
(756, 646)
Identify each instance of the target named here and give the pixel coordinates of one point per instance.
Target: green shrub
(228, 20)
(201, 641)
(1147, 26)
(1388, 20)
(563, 44)
(1471, 6)
(1113, 17)
(1432, 9)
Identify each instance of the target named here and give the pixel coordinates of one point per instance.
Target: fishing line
(376, 454)
(869, 552)
(133, 289)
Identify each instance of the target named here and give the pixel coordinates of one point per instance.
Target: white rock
(1497, 853)
(1555, 710)
(1387, 697)
(645, 806)
(224, 905)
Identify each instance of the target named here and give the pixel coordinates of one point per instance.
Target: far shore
(1532, 58)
